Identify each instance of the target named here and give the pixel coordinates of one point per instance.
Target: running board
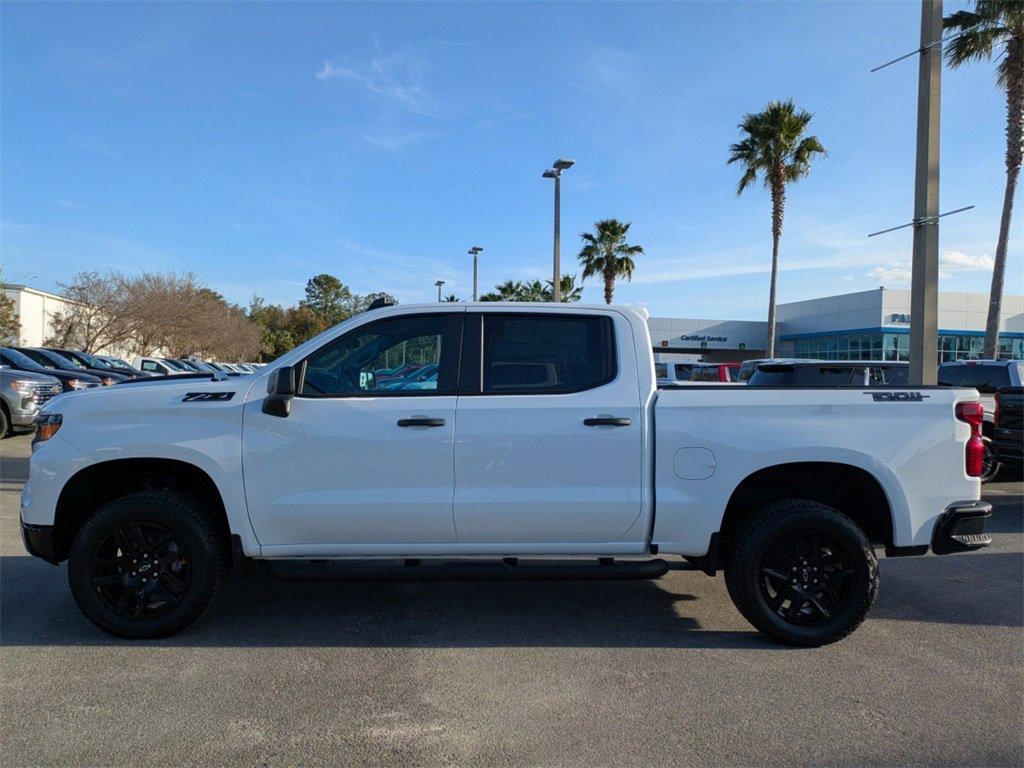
(508, 569)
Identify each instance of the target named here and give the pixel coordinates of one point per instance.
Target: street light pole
(475, 250)
(924, 286)
(555, 172)
(439, 284)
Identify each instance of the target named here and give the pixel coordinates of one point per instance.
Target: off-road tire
(200, 540)
(762, 530)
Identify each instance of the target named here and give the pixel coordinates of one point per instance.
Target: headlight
(46, 427)
(108, 382)
(78, 384)
(26, 388)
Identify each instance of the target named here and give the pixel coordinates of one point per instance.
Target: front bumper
(961, 528)
(40, 541)
(26, 419)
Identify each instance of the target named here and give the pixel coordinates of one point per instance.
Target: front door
(364, 457)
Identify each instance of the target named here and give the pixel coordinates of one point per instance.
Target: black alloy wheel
(140, 570)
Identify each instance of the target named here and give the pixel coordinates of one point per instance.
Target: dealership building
(867, 325)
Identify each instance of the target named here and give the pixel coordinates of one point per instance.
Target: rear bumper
(961, 528)
(40, 541)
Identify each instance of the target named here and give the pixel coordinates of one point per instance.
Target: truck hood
(170, 396)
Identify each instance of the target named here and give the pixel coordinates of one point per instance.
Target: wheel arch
(97, 484)
(852, 490)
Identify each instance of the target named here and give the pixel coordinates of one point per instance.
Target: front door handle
(421, 422)
(607, 421)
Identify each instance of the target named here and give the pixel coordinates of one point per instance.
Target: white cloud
(894, 273)
(950, 263)
(395, 80)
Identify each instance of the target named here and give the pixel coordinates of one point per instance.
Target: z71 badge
(206, 397)
(897, 397)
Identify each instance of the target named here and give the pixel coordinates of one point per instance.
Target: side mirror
(280, 391)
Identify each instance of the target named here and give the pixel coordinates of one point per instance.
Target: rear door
(548, 442)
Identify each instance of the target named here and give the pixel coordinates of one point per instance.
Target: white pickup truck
(537, 447)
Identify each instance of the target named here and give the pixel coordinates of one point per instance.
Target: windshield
(116, 362)
(16, 359)
(83, 359)
(176, 365)
(92, 360)
(49, 359)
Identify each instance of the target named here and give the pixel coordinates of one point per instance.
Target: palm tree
(510, 290)
(451, 297)
(775, 148)
(996, 28)
(568, 289)
(607, 254)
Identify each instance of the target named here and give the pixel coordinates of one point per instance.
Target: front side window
(396, 356)
(149, 365)
(546, 354)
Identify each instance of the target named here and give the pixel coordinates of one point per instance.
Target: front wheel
(147, 564)
(802, 573)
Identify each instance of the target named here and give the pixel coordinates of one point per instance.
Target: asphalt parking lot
(589, 674)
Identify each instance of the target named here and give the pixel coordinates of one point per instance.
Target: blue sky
(258, 145)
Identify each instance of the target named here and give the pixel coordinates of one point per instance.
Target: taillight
(974, 454)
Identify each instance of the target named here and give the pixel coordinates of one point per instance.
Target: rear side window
(708, 373)
(546, 354)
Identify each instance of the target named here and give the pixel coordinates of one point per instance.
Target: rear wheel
(802, 573)
(147, 564)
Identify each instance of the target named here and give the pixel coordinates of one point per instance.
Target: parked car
(416, 376)
(70, 380)
(156, 366)
(831, 373)
(711, 372)
(544, 437)
(747, 367)
(21, 395)
(1008, 427)
(93, 363)
(52, 360)
(122, 366)
(988, 377)
(669, 372)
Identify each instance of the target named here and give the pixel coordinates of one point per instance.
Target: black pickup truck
(1008, 432)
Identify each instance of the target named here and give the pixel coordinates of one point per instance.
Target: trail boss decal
(897, 397)
(206, 397)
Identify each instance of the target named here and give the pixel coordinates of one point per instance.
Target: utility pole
(924, 288)
(440, 285)
(555, 172)
(475, 250)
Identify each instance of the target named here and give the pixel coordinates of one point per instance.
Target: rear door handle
(607, 421)
(421, 422)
